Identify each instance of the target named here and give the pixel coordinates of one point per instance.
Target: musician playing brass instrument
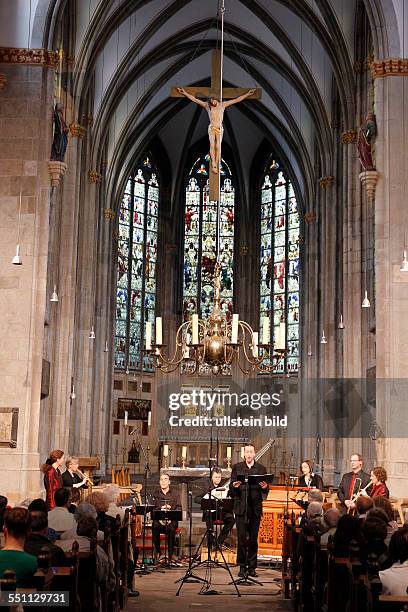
(352, 482)
(72, 477)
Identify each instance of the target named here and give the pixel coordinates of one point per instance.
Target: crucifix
(217, 100)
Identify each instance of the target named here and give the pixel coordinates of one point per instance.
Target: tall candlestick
(159, 331)
(265, 330)
(234, 331)
(126, 418)
(195, 328)
(165, 450)
(242, 452)
(229, 452)
(148, 336)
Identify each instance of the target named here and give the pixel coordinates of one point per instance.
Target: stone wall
(25, 138)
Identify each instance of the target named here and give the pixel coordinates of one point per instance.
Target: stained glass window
(200, 229)
(136, 272)
(279, 273)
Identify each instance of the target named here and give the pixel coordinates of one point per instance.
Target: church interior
(204, 229)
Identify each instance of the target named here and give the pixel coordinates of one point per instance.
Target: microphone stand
(144, 570)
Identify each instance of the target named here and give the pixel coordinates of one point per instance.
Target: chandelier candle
(195, 328)
(148, 336)
(159, 331)
(255, 344)
(265, 330)
(234, 331)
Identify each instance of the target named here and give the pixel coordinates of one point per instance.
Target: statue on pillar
(366, 138)
(60, 140)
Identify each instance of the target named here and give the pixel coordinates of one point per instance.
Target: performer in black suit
(165, 498)
(309, 478)
(226, 517)
(71, 478)
(248, 510)
(352, 481)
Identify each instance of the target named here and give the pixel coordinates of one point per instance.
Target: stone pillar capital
(109, 214)
(3, 81)
(326, 181)
(392, 66)
(94, 177)
(349, 137)
(77, 130)
(310, 217)
(57, 170)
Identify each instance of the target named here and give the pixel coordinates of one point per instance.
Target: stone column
(25, 141)
(391, 285)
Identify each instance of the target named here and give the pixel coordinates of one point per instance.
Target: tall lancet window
(136, 272)
(200, 230)
(279, 273)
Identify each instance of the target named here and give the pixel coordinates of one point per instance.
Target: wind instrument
(360, 492)
(78, 471)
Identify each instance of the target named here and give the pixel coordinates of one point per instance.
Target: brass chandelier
(217, 343)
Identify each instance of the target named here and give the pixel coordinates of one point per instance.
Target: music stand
(190, 577)
(210, 505)
(166, 516)
(143, 510)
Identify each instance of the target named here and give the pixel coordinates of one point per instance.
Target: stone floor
(158, 593)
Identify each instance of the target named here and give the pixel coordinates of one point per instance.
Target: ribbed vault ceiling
(300, 52)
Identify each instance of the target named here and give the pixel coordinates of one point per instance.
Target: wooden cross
(228, 93)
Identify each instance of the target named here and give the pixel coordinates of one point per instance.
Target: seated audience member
(59, 518)
(348, 529)
(384, 504)
(313, 523)
(12, 556)
(37, 539)
(330, 518)
(84, 510)
(374, 532)
(100, 502)
(74, 500)
(3, 507)
(395, 579)
(86, 531)
(315, 495)
(363, 505)
(112, 494)
(39, 505)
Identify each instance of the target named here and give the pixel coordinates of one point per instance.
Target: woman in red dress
(52, 476)
(378, 478)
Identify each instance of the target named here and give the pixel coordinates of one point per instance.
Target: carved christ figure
(215, 110)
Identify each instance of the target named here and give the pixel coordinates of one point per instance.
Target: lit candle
(165, 450)
(148, 336)
(149, 418)
(126, 418)
(184, 452)
(242, 452)
(255, 344)
(234, 331)
(159, 331)
(195, 328)
(229, 452)
(265, 330)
